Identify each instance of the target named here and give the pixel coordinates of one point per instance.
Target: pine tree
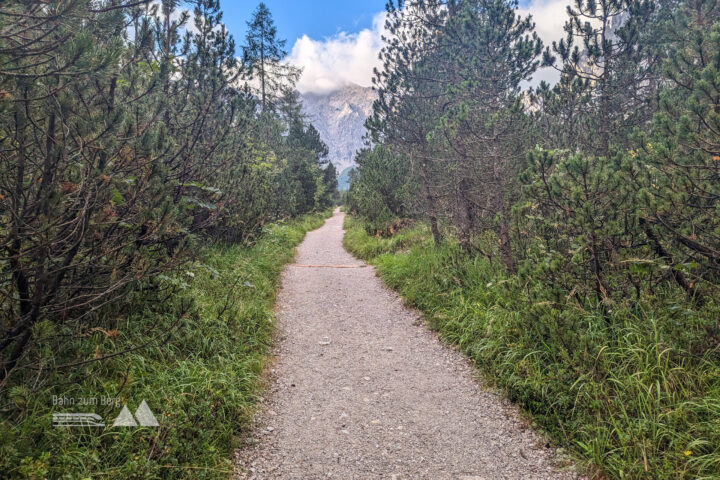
(406, 109)
(79, 163)
(677, 166)
(121, 140)
(330, 182)
(486, 50)
(377, 190)
(607, 70)
(306, 151)
(263, 55)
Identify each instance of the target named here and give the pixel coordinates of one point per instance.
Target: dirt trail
(362, 390)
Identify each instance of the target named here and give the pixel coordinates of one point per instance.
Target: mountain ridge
(339, 116)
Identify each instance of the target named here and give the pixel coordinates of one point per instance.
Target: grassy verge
(208, 330)
(629, 395)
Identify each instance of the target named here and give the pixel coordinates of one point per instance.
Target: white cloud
(345, 57)
(549, 17)
(350, 57)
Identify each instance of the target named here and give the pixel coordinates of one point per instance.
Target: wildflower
(687, 453)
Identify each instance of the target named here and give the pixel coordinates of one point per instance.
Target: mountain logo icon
(143, 415)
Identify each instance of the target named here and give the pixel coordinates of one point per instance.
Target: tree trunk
(262, 67)
(505, 246)
(462, 214)
(437, 239)
(498, 201)
(430, 203)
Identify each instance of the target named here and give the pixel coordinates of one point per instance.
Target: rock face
(340, 116)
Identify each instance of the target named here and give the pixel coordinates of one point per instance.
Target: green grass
(367, 247)
(632, 396)
(202, 377)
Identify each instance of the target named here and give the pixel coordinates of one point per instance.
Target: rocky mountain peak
(339, 116)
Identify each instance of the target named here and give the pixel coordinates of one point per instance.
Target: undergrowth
(199, 372)
(633, 394)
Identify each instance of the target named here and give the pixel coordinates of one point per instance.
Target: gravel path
(360, 389)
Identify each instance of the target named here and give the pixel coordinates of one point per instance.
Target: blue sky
(317, 19)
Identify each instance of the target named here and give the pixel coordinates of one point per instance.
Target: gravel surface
(360, 389)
